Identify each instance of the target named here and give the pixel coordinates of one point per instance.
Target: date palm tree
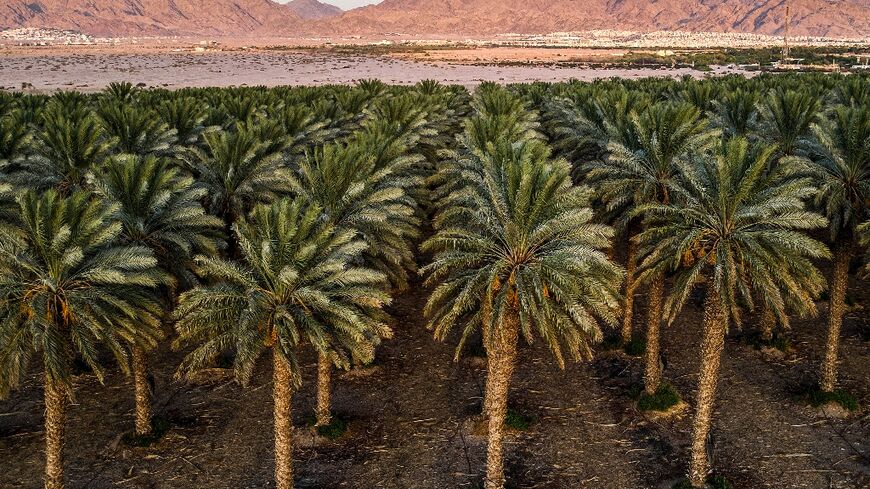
(67, 288)
(67, 151)
(372, 202)
(786, 118)
(186, 115)
(236, 175)
(136, 130)
(841, 168)
(736, 113)
(294, 285)
(639, 171)
(15, 139)
(159, 208)
(515, 254)
(736, 229)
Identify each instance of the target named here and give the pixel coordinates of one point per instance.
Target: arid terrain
(46, 72)
(113, 18)
(409, 421)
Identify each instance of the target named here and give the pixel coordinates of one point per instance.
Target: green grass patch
(334, 430)
(519, 421)
(611, 344)
(714, 482)
(818, 398)
(635, 348)
(779, 342)
(159, 427)
(663, 399)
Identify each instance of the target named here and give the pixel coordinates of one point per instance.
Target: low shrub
(334, 430)
(818, 398)
(636, 347)
(714, 482)
(519, 421)
(159, 427)
(663, 399)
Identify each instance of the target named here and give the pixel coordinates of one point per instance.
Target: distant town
(588, 39)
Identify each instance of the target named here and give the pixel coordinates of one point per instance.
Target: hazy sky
(345, 4)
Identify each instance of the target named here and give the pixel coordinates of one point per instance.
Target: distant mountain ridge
(831, 18)
(118, 18)
(312, 9)
(827, 18)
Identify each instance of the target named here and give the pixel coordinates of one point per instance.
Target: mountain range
(829, 18)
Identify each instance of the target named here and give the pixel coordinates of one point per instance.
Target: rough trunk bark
(501, 367)
(143, 392)
(839, 283)
(324, 389)
(55, 421)
(283, 395)
(652, 376)
(628, 305)
(768, 321)
(712, 345)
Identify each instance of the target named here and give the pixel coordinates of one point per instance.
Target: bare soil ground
(89, 70)
(409, 419)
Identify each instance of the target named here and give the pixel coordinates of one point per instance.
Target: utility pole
(785, 50)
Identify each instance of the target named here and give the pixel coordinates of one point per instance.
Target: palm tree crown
(640, 170)
(295, 285)
(68, 150)
(519, 236)
(842, 169)
(375, 202)
(235, 173)
(786, 117)
(66, 288)
(738, 226)
(136, 130)
(160, 208)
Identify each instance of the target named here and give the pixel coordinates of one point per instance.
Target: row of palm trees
(285, 227)
(284, 220)
(708, 182)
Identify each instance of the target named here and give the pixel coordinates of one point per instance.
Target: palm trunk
(324, 388)
(628, 305)
(768, 321)
(712, 345)
(501, 367)
(652, 376)
(283, 395)
(55, 420)
(143, 392)
(839, 283)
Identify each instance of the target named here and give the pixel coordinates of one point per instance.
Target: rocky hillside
(151, 17)
(312, 9)
(835, 18)
(831, 18)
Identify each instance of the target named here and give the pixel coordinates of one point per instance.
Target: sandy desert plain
(250, 62)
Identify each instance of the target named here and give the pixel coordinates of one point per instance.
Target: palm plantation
(515, 254)
(295, 286)
(312, 224)
(67, 290)
(737, 232)
(159, 209)
(841, 169)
